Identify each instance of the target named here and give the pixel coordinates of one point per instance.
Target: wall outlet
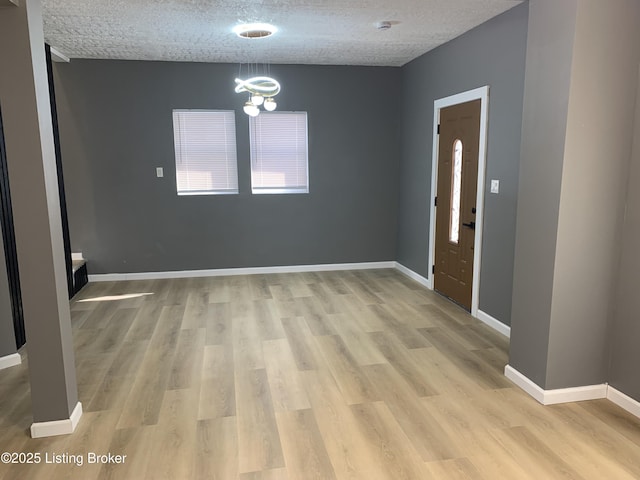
(159, 172)
(495, 186)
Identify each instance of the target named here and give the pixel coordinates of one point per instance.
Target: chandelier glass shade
(261, 91)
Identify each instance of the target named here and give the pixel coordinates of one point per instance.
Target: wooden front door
(459, 140)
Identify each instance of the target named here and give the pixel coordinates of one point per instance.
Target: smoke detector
(383, 25)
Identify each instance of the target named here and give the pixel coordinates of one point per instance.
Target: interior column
(24, 100)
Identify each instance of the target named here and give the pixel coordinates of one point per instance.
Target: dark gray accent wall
(116, 128)
(625, 337)
(492, 54)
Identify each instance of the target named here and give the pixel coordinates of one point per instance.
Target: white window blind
(279, 161)
(205, 144)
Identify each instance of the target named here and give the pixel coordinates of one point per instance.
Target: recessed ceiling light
(254, 30)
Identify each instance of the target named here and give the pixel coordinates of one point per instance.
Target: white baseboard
(10, 360)
(110, 277)
(57, 427)
(77, 256)
(624, 401)
(575, 394)
(413, 275)
(560, 395)
(497, 325)
(524, 383)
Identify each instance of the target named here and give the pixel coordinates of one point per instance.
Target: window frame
(179, 146)
(253, 147)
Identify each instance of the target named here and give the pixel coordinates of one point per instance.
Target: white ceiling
(322, 32)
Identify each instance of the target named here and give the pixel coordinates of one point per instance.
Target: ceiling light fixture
(261, 91)
(254, 30)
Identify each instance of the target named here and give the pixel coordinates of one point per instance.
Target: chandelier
(261, 92)
(261, 89)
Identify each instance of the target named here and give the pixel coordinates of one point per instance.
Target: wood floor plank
(146, 395)
(353, 383)
(247, 344)
(271, 474)
(301, 342)
(360, 345)
(426, 434)
(259, 445)
(533, 455)
(346, 444)
(285, 383)
(335, 283)
(93, 434)
(144, 322)
(315, 316)
(281, 293)
(444, 375)
(114, 387)
(304, 450)
(473, 367)
(393, 452)
(405, 333)
(360, 375)
(218, 288)
(217, 383)
(219, 324)
(455, 469)
(298, 284)
(259, 287)
(364, 317)
(137, 445)
(188, 357)
(175, 445)
(604, 437)
(217, 449)
(196, 310)
(403, 361)
(325, 298)
(435, 314)
(267, 320)
(361, 289)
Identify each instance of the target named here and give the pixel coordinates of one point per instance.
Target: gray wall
(548, 75)
(576, 146)
(597, 154)
(492, 54)
(116, 128)
(625, 354)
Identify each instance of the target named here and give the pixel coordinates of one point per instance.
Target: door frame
(482, 94)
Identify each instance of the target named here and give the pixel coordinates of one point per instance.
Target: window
(279, 162)
(456, 187)
(205, 143)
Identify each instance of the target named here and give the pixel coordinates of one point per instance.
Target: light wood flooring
(345, 375)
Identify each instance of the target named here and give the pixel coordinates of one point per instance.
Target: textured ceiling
(323, 32)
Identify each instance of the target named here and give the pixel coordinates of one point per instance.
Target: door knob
(471, 225)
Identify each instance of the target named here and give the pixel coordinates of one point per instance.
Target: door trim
(482, 94)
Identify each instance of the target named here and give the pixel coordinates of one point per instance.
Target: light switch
(159, 172)
(495, 186)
